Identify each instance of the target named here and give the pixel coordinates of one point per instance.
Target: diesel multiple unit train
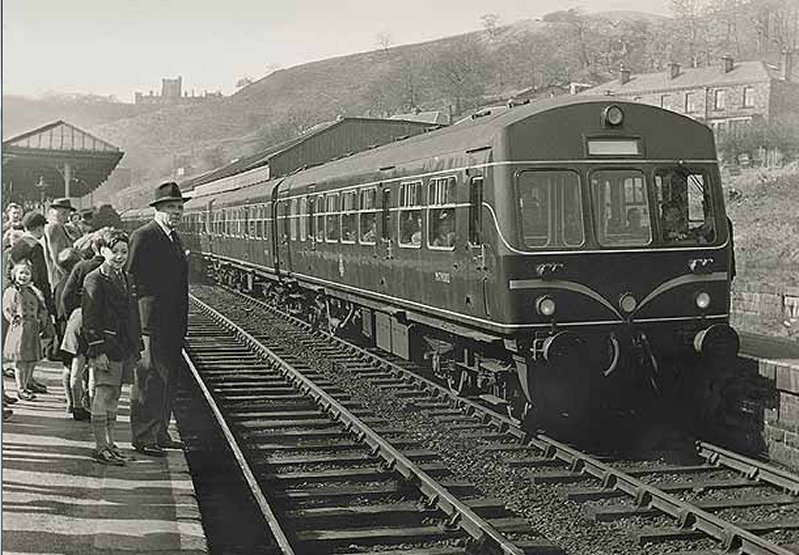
(546, 257)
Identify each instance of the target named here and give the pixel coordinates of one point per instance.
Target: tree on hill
(459, 69)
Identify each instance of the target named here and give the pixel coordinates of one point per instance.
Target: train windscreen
(551, 209)
(622, 207)
(685, 206)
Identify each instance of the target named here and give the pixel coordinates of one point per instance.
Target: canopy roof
(49, 154)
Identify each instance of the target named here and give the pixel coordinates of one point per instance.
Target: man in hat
(158, 266)
(56, 236)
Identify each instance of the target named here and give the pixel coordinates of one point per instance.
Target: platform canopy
(55, 160)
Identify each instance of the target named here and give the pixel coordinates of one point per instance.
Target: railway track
(711, 499)
(328, 475)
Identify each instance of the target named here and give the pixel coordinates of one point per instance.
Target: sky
(117, 47)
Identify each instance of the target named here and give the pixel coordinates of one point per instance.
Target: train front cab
(615, 250)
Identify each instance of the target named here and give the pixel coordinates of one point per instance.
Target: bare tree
(459, 70)
(384, 41)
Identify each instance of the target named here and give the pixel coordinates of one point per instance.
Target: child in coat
(113, 335)
(24, 307)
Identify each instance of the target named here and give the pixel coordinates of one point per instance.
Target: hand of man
(100, 362)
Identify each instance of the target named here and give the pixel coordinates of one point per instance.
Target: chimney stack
(674, 70)
(786, 65)
(726, 64)
(624, 75)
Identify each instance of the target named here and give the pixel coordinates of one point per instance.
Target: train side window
(293, 220)
(311, 219)
(267, 219)
(320, 218)
(303, 218)
(286, 221)
(476, 211)
(410, 214)
(685, 207)
(331, 219)
(259, 222)
(251, 218)
(367, 218)
(622, 208)
(441, 201)
(385, 215)
(225, 223)
(348, 216)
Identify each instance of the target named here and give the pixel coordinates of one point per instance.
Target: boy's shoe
(8, 400)
(117, 452)
(7, 414)
(81, 414)
(8, 372)
(105, 456)
(25, 395)
(36, 387)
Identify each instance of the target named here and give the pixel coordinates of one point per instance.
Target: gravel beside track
(472, 455)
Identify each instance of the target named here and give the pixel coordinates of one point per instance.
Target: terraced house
(727, 97)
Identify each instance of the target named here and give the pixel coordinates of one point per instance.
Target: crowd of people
(111, 308)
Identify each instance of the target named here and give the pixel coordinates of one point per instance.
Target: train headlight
(628, 303)
(545, 306)
(702, 301)
(613, 115)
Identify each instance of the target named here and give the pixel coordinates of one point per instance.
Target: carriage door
(476, 288)
(282, 238)
(386, 227)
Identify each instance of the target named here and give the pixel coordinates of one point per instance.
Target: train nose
(719, 341)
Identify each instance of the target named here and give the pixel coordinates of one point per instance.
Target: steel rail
(731, 536)
(499, 421)
(751, 468)
(266, 509)
(688, 516)
(459, 514)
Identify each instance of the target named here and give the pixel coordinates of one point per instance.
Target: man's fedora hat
(62, 203)
(166, 192)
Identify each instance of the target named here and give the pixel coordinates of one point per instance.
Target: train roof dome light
(612, 116)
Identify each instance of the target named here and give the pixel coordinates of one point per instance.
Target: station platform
(57, 499)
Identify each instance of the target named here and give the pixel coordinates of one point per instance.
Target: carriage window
(441, 214)
(368, 217)
(303, 218)
(311, 218)
(410, 214)
(293, 219)
(622, 208)
(348, 216)
(685, 208)
(252, 212)
(259, 221)
(331, 221)
(551, 209)
(385, 216)
(320, 218)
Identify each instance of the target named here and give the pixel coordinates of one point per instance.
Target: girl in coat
(25, 309)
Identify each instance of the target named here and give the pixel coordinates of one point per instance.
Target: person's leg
(76, 375)
(103, 395)
(65, 374)
(167, 358)
(145, 395)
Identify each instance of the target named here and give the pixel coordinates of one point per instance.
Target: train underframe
(557, 379)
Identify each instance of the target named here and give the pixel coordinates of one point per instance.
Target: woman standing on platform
(25, 309)
(113, 334)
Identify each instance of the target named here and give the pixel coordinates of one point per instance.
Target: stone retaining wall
(758, 308)
(781, 414)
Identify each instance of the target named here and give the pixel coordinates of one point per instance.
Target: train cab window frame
(686, 210)
(349, 216)
(621, 208)
(441, 213)
(550, 208)
(409, 208)
(303, 219)
(367, 216)
(332, 213)
(320, 219)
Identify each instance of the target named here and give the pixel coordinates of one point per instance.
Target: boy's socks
(100, 430)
